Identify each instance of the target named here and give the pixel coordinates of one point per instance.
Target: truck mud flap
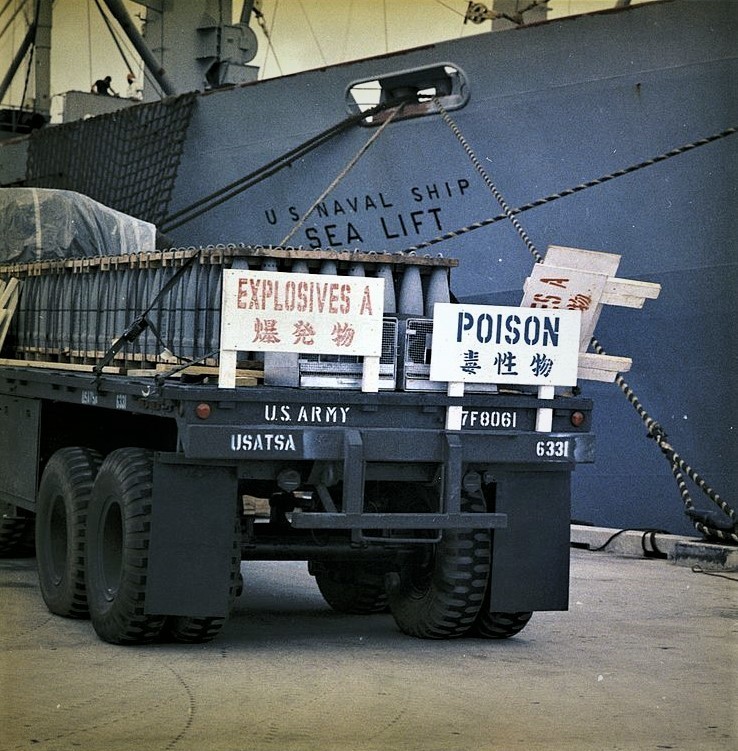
(193, 513)
(530, 559)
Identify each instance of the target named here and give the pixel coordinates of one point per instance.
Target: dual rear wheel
(440, 593)
(93, 527)
(348, 587)
(61, 523)
(16, 531)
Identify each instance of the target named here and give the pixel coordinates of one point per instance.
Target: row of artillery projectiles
(72, 309)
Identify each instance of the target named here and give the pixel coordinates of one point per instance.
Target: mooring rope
(703, 522)
(340, 176)
(451, 234)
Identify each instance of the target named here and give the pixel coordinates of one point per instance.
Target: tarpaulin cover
(38, 224)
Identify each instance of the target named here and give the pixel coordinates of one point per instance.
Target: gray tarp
(40, 224)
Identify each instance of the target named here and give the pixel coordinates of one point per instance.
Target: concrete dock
(645, 658)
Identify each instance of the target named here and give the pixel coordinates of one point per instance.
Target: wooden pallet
(122, 359)
(9, 295)
(46, 365)
(244, 377)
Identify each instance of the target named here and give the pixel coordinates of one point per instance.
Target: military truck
(148, 481)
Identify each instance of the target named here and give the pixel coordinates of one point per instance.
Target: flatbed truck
(148, 484)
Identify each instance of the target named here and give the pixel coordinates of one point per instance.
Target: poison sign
(505, 345)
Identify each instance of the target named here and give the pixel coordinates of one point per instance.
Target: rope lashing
(702, 522)
(142, 321)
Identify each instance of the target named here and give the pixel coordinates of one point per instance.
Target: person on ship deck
(102, 86)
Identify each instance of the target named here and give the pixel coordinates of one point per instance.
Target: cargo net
(72, 311)
(126, 160)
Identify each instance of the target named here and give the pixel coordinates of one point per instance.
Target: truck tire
(188, 629)
(196, 630)
(14, 529)
(440, 594)
(118, 526)
(499, 625)
(61, 520)
(350, 587)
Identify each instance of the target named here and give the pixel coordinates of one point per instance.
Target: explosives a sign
(312, 313)
(505, 345)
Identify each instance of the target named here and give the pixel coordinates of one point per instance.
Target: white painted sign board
(576, 279)
(269, 311)
(552, 288)
(505, 345)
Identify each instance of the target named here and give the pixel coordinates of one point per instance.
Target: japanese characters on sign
(566, 289)
(505, 345)
(310, 313)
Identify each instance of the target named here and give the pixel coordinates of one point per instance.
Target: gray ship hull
(549, 107)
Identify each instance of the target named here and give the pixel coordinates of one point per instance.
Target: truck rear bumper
(225, 442)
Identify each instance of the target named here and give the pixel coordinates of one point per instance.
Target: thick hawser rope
(227, 192)
(451, 234)
(704, 523)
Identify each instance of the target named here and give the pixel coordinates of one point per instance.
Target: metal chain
(678, 466)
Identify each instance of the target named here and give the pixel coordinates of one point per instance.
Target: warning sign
(505, 345)
(268, 311)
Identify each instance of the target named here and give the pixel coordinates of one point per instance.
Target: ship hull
(549, 107)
